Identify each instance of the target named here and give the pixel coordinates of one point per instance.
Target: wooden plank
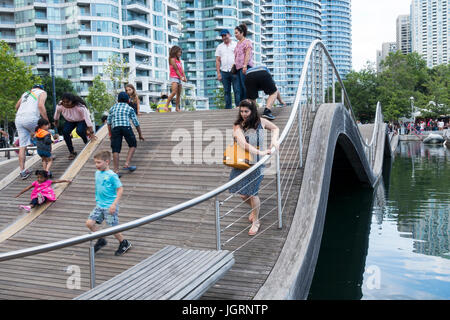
(197, 284)
(157, 281)
(129, 275)
(179, 272)
(207, 284)
(156, 265)
(182, 272)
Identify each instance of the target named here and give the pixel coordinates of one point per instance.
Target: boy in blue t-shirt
(108, 191)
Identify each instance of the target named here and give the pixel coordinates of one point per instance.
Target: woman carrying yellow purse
(248, 131)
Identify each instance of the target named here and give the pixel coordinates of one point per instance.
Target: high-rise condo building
(337, 33)
(289, 27)
(404, 34)
(430, 30)
(202, 22)
(386, 48)
(86, 33)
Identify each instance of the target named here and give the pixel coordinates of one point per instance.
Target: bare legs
(22, 151)
(127, 162)
(176, 91)
(255, 204)
(47, 163)
(93, 226)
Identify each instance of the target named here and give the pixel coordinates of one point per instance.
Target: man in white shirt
(29, 108)
(224, 63)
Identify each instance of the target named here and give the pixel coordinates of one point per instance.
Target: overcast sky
(374, 23)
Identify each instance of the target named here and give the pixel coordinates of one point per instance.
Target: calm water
(392, 242)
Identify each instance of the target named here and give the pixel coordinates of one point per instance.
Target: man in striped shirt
(119, 127)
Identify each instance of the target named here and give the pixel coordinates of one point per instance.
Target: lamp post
(412, 109)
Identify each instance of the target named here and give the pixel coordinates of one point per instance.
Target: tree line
(403, 77)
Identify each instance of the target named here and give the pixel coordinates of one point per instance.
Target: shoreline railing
(312, 91)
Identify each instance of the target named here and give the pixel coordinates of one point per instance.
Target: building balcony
(138, 23)
(138, 7)
(172, 5)
(7, 24)
(173, 19)
(143, 38)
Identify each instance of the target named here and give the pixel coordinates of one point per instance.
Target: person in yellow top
(161, 107)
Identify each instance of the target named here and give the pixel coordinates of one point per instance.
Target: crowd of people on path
(235, 68)
(420, 126)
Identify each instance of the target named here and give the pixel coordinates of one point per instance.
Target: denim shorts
(100, 214)
(44, 154)
(177, 80)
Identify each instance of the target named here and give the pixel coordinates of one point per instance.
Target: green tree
(219, 98)
(61, 86)
(404, 76)
(98, 98)
(15, 78)
(438, 98)
(362, 87)
(116, 69)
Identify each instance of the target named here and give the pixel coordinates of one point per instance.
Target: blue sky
(373, 24)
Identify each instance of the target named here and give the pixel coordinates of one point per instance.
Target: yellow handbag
(236, 157)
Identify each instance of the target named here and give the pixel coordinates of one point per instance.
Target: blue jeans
(229, 79)
(81, 131)
(241, 82)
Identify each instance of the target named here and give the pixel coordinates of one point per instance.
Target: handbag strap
(257, 141)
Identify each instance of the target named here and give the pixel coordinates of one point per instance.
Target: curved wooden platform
(157, 184)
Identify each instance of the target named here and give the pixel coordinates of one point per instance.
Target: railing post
(280, 214)
(218, 244)
(324, 80)
(92, 263)
(300, 141)
(313, 81)
(334, 85)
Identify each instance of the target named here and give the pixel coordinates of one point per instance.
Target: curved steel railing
(311, 90)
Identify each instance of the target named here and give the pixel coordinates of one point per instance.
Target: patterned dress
(249, 186)
(44, 189)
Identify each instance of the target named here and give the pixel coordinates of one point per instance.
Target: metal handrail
(190, 203)
(16, 149)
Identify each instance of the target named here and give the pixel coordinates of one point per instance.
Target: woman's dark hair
(173, 52)
(242, 28)
(253, 121)
(42, 173)
(73, 98)
(41, 122)
(133, 97)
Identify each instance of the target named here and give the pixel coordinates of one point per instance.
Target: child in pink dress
(42, 191)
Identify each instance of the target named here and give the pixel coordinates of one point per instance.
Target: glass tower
(202, 22)
(289, 28)
(430, 30)
(337, 33)
(86, 33)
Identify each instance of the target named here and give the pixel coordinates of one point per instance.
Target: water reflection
(392, 242)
